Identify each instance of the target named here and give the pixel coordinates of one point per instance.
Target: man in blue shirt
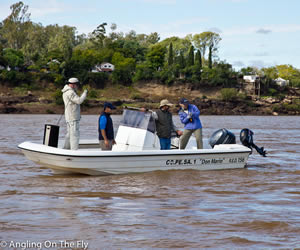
(189, 116)
(105, 128)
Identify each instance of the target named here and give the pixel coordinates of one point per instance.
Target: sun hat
(73, 80)
(109, 105)
(165, 102)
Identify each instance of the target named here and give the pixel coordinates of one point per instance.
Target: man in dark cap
(189, 116)
(105, 128)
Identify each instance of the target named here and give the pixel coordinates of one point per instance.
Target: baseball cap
(73, 80)
(109, 105)
(183, 101)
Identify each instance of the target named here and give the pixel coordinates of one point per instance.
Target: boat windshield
(138, 119)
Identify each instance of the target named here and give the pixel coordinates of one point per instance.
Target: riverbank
(149, 96)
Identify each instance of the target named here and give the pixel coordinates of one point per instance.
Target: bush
(276, 108)
(57, 96)
(121, 76)
(135, 96)
(229, 94)
(8, 76)
(272, 92)
(93, 93)
(16, 78)
(242, 96)
(143, 72)
(59, 81)
(295, 82)
(97, 80)
(167, 76)
(291, 107)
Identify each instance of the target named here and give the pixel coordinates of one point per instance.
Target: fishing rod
(138, 109)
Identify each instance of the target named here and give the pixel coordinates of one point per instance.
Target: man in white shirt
(72, 112)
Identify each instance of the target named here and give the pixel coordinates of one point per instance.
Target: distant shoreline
(32, 105)
(148, 96)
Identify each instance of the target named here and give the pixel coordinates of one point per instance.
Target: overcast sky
(259, 33)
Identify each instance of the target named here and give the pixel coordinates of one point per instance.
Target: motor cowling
(246, 138)
(222, 136)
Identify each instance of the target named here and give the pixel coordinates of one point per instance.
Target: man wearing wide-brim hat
(164, 124)
(72, 112)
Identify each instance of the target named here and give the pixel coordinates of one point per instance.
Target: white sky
(259, 33)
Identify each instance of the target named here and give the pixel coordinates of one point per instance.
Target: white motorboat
(137, 150)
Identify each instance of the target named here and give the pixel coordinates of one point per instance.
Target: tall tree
(270, 72)
(36, 46)
(63, 40)
(153, 38)
(15, 26)
(171, 56)
(156, 56)
(207, 40)
(287, 72)
(14, 58)
(198, 59)
(210, 56)
(191, 57)
(178, 44)
(98, 35)
(180, 60)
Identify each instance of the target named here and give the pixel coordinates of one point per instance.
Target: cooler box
(51, 133)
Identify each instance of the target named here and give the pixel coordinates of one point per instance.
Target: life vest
(109, 129)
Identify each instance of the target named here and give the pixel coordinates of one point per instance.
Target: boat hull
(97, 162)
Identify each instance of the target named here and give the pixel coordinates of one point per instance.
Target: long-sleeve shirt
(190, 119)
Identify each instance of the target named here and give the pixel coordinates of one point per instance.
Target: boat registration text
(204, 161)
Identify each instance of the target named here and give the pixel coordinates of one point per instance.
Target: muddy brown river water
(253, 208)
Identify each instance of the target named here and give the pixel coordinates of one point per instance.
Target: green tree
(191, 57)
(15, 26)
(156, 56)
(80, 64)
(180, 60)
(210, 56)
(14, 58)
(270, 72)
(3, 61)
(207, 40)
(144, 71)
(287, 72)
(249, 71)
(63, 40)
(124, 68)
(170, 56)
(198, 59)
(98, 35)
(179, 45)
(153, 38)
(35, 48)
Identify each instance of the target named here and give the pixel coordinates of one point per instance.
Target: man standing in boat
(105, 128)
(189, 116)
(72, 112)
(164, 124)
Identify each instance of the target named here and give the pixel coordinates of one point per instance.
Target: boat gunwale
(162, 153)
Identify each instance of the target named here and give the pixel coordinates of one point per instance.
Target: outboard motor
(222, 136)
(246, 137)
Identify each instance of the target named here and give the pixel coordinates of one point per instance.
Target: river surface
(253, 208)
